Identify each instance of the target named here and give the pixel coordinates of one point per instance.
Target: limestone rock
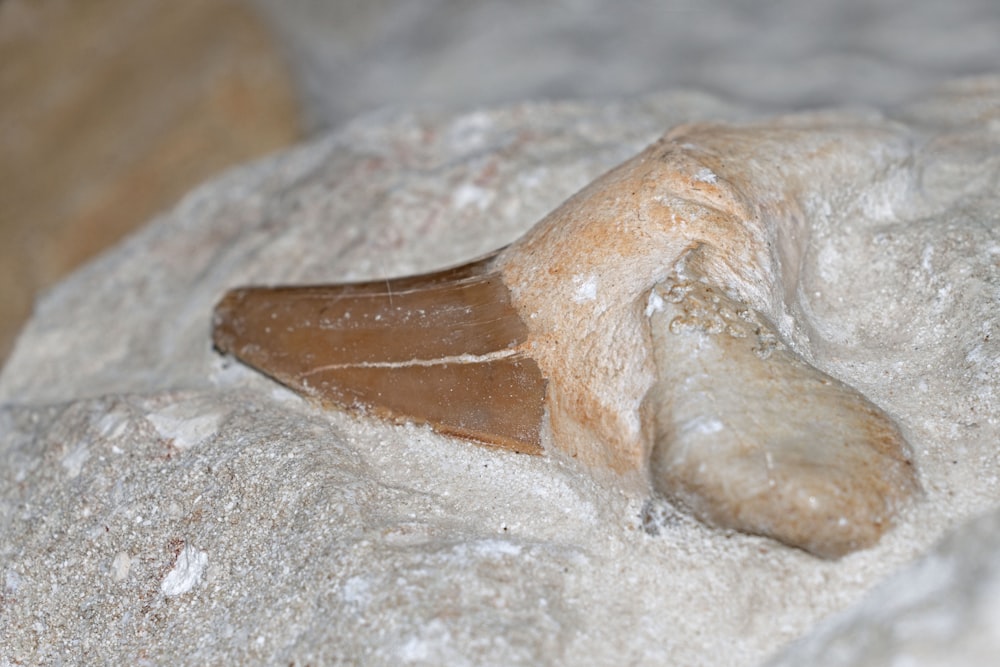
(158, 504)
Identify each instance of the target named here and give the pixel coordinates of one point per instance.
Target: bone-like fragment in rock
(578, 324)
(751, 437)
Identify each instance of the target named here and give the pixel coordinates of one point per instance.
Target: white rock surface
(160, 504)
(942, 611)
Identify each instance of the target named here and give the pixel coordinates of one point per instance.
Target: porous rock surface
(162, 504)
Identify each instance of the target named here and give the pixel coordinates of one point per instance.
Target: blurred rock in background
(350, 56)
(110, 110)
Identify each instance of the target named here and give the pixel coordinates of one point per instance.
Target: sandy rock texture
(162, 504)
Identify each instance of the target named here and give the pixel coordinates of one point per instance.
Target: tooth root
(441, 349)
(751, 437)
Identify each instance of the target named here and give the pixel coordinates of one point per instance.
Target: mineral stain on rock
(643, 327)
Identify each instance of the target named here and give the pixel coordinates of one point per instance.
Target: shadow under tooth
(439, 349)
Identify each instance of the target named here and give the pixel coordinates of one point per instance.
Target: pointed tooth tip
(395, 366)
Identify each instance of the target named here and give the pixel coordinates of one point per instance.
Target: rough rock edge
(941, 610)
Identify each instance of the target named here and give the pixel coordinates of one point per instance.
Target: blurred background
(110, 110)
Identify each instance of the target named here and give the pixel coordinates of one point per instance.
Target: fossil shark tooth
(442, 349)
(637, 325)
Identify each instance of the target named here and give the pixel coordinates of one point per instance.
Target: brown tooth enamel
(640, 320)
(441, 349)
